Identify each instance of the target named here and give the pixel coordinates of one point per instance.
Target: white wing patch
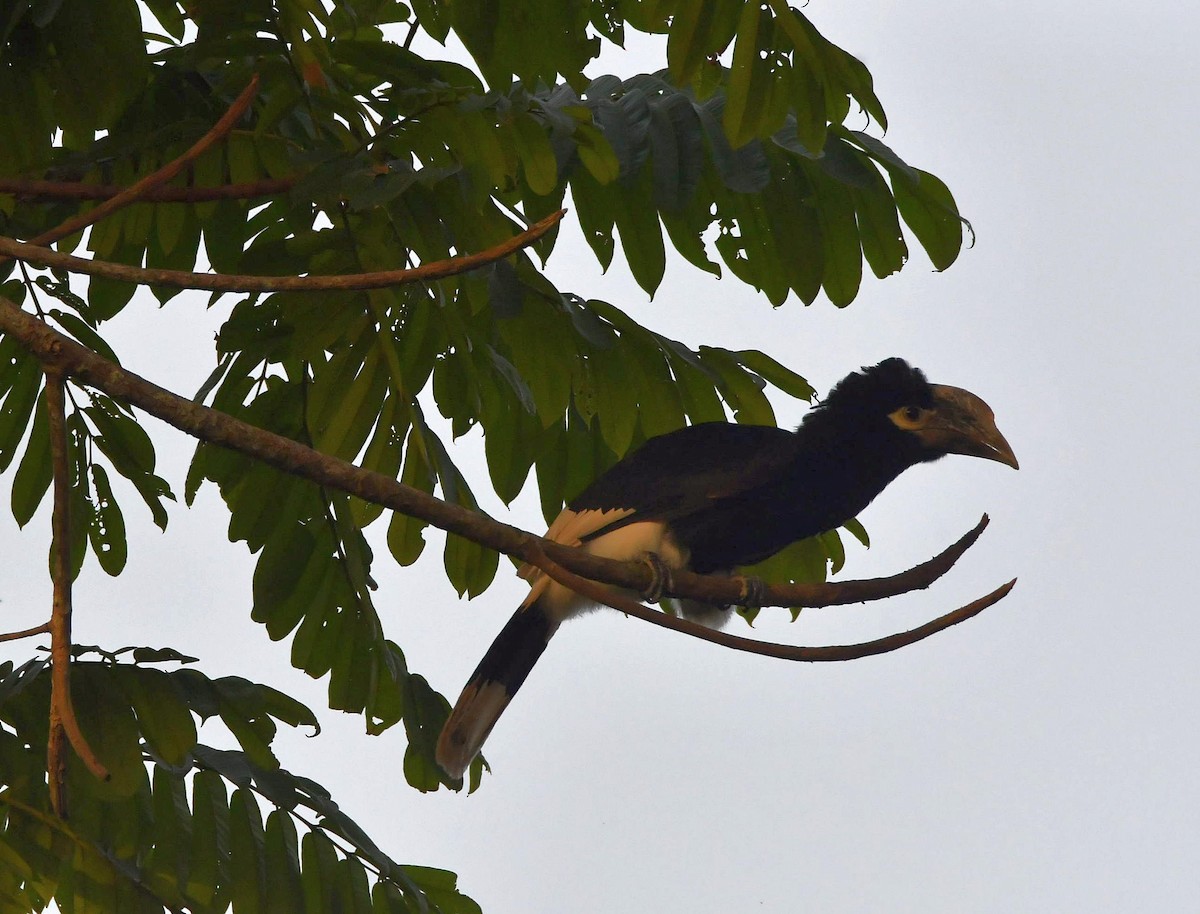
(627, 543)
(569, 529)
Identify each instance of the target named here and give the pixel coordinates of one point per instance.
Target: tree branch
(60, 352)
(62, 709)
(228, 282)
(76, 190)
(42, 629)
(594, 591)
(134, 192)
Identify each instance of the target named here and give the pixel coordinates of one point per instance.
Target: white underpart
(627, 543)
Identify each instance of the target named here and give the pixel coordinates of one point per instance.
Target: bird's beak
(964, 424)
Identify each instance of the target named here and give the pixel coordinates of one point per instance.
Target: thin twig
(228, 282)
(76, 190)
(42, 629)
(134, 192)
(836, 652)
(62, 709)
(59, 351)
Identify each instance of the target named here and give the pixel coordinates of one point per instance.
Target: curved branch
(228, 282)
(75, 190)
(63, 722)
(135, 191)
(69, 357)
(821, 654)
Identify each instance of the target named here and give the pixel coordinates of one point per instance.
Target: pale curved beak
(967, 425)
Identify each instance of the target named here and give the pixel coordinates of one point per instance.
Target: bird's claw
(660, 577)
(752, 593)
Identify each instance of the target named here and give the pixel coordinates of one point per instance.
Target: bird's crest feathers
(877, 389)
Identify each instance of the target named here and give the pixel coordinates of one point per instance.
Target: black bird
(717, 496)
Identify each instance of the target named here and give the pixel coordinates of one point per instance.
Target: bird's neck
(844, 469)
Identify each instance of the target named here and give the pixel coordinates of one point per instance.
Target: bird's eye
(909, 418)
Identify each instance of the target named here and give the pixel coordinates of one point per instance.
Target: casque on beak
(966, 425)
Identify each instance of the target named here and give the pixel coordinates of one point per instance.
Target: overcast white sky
(1039, 758)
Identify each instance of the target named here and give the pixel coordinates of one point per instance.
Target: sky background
(1040, 757)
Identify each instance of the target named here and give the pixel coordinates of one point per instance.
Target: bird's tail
(493, 684)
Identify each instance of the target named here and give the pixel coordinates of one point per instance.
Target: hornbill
(717, 496)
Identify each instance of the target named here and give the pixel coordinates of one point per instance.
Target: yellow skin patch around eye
(910, 418)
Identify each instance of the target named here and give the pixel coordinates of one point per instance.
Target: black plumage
(717, 496)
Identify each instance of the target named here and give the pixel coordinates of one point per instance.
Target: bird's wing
(672, 476)
(687, 470)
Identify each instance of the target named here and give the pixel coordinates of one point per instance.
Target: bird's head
(931, 420)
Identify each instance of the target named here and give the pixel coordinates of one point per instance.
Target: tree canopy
(374, 221)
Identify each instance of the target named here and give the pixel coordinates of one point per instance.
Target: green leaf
(356, 894)
(404, 537)
(318, 868)
(246, 842)
(696, 387)
(505, 370)
(596, 210)
(616, 400)
(290, 579)
(108, 297)
(536, 154)
(383, 454)
(160, 655)
(253, 743)
(739, 389)
(801, 562)
(34, 473)
(509, 444)
(21, 376)
(469, 566)
(171, 827)
(106, 529)
(79, 329)
(164, 718)
(855, 528)
(928, 208)
(125, 443)
(209, 852)
(341, 421)
(425, 712)
(749, 77)
(677, 152)
(690, 41)
(840, 242)
(775, 373)
(101, 62)
(351, 667)
(311, 643)
(109, 726)
(282, 865)
(641, 234)
(441, 887)
(505, 293)
(596, 154)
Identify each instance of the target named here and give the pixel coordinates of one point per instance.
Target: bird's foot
(753, 591)
(660, 577)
